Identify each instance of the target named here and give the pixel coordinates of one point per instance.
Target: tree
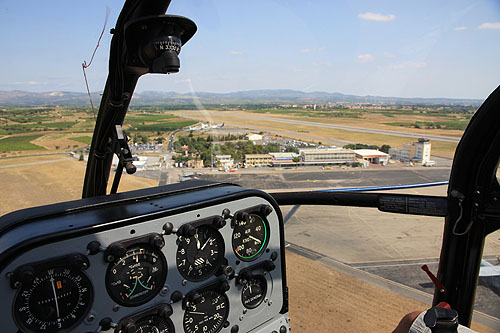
(273, 148)
(385, 148)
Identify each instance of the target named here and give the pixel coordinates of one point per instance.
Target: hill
(19, 98)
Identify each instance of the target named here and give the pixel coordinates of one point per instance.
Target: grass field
(19, 143)
(150, 117)
(334, 113)
(24, 128)
(164, 126)
(83, 139)
(447, 125)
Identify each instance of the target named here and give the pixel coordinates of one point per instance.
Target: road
(35, 163)
(267, 118)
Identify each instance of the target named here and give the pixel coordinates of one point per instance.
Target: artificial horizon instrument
(202, 256)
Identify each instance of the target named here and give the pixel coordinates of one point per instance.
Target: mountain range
(17, 98)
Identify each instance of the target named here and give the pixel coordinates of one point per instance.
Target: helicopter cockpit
(205, 256)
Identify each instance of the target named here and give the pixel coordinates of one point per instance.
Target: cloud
(26, 83)
(328, 64)
(363, 58)
(377, 17)
(389, 55)
(461, 28)
(236, 52)
(490, 26)
(319, 49)
(409, 64)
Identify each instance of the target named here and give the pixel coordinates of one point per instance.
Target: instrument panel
(190, 257)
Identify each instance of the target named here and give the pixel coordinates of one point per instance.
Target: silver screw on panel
(90, 318)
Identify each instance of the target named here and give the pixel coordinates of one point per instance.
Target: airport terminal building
(327, 156)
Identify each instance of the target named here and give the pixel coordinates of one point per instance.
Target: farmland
(59, 128)
(19, 143)
(65, 128)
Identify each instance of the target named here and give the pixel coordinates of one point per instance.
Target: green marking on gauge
(142, 284)
(263, 242)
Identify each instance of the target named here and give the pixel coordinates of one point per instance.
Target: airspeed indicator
(250, 237)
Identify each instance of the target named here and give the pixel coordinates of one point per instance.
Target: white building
(372, 155)
(224, 161)
(417, 152)
(254, 137)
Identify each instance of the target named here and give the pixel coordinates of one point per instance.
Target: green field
(83, 139)
(23, 128)
(163, 127)
(150, 117)
(17, 143)
(456, 113)
(333, 113)
(447, 125)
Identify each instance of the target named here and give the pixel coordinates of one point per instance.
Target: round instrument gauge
(250, 237)
(200, 255)
(137, 276)
(254, 291)
(208, 315)
(54, 301)
(154, 324)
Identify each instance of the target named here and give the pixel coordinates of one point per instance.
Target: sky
(394, 48)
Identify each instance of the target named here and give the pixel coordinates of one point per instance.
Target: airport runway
(267, 118)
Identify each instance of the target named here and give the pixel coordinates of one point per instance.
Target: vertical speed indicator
(250, 237)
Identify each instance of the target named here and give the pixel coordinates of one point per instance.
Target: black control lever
(122, 150)
(441, 320)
